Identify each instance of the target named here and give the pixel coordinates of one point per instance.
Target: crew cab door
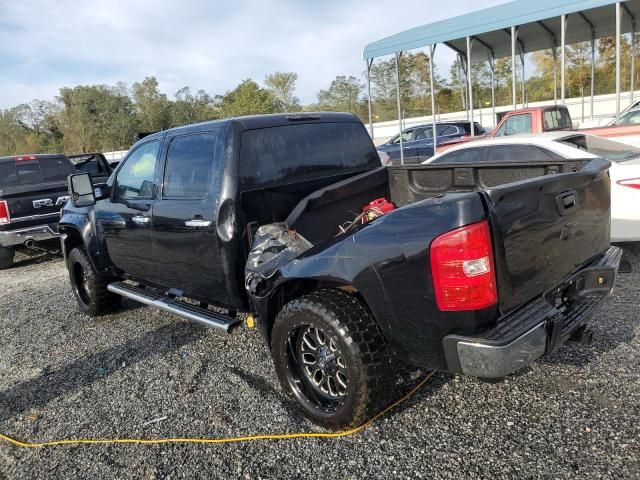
(125, 217)
(184, 216)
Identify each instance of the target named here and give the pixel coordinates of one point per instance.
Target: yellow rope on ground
(281, 436)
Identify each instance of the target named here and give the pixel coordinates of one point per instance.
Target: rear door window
(447, 131)
(190, 165)
(467, 155)
(291, 153)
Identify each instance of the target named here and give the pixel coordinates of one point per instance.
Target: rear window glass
(557, 118)
(515, 153)
(29, 172)
(292, 153)
(467, 155)
(601, 147)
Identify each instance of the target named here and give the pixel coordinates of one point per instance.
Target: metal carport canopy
(538, 23)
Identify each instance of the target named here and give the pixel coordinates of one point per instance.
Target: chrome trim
(55, 215)
(140, 220)
(11, 238)
(198, 223)
(492, 361)
(166, 304)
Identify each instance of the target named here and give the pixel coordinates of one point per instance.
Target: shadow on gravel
(38, 258)
(51, 384)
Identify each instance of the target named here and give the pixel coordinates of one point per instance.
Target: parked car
(549, 119)
(343, 264)
(33, 189)
(418, 141)
(632, 117)
(624, 172)
(94, 163)
(604, 120)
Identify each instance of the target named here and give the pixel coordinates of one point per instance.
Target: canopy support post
(563, 59)
(492, 64)
(399, 107)
(513, 66)
(618, 29)
(522, 79)
(470, 85)
(633, 59)
(593, 68)
(369, 65)
(432, 51)
(555, 75)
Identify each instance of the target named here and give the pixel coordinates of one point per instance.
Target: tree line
(107, 118)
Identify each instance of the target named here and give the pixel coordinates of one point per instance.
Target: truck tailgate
(547, 227)
(34, 204)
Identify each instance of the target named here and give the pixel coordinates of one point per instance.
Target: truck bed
(548, 217)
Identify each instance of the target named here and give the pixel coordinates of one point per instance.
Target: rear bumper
(537, 328)
(12, 238)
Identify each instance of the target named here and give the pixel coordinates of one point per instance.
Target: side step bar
(182, 309)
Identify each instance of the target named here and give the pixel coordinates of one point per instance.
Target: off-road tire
(6, 257)
(362, 348)
(89, 288)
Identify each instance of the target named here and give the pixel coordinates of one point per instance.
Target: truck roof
(250, 122)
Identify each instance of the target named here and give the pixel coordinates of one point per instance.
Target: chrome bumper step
(183, 309)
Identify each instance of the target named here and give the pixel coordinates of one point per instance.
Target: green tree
(343, 95)
(282, 86)
(247, 99)
(189, 108)
(151, 106)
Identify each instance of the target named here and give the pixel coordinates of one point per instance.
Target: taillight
(24, 158)
(630, 182)
(5, 218)
(462, 267)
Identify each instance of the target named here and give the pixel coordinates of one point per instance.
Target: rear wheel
(6, 257)
(331, 357)
(90, 288)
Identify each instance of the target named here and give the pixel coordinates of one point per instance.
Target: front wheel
(331, 357)
(6, 257)
(89, 288)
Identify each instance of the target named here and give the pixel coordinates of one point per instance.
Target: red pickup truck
(544, 119)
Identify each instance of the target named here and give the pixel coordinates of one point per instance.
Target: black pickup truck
(343, 265)
(94, 163)
(33, 189)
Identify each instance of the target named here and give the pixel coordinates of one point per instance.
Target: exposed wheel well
(72, 241)
(295, 289)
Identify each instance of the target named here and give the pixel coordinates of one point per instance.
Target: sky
(210, 45)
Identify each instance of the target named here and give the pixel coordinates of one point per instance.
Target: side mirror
(81, 190)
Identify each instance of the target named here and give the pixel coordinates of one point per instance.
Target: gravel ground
(573, 414)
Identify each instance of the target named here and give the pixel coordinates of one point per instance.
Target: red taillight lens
(462, 267)
(630, 182)
(24, 158)
(5, 218)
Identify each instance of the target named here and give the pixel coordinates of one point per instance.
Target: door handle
(140, 220)
(198, 223)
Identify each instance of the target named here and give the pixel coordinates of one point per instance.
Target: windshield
(613, 151)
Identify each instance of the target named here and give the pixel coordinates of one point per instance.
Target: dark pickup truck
(344, 266)
(94, 163)
(33, 189)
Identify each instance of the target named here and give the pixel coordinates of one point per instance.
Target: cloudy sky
(212, 45)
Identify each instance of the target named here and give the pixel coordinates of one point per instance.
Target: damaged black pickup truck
(344, 265)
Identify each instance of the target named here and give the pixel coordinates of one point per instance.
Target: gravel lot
(573, 414)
